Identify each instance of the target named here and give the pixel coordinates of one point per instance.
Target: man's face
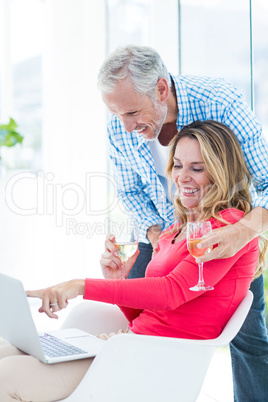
(137, 112)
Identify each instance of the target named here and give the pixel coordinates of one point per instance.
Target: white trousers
(25, 378)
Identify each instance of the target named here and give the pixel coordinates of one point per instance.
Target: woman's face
(189, 173)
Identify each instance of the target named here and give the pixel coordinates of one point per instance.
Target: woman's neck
(193, 215)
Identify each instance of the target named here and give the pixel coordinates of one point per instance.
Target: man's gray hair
(142, 65)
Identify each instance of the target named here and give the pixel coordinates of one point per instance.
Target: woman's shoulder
(168, 233)
(230, 215)
(171, 228)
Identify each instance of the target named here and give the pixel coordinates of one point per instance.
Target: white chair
(144, 368)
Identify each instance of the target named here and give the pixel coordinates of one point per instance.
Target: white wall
(49, 227)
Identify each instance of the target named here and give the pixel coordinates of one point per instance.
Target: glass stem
(200, 270)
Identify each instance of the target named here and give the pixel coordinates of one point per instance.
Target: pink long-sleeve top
(162, 304)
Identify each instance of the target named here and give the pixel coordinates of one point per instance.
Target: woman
(212, 182)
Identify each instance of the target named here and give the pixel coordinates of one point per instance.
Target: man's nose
(129, 124)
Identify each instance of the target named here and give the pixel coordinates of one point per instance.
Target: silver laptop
(18, 328)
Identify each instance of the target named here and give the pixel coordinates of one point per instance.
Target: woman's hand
(111, 265)
(55, 298)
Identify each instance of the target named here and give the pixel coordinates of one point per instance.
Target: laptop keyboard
(54, 347)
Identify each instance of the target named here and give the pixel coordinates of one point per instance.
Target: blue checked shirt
(198, 98)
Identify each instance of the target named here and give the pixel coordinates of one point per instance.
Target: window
(260, 60)
(228, 39)
(215, 41)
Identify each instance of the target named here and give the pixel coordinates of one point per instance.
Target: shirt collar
(141, 141)
(184, 115)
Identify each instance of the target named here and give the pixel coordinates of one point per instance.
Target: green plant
(9, 136)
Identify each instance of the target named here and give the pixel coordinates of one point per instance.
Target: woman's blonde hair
(226, 169)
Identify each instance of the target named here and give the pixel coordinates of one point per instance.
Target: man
(148, 106)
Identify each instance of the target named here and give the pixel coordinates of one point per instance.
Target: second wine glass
(196, 232)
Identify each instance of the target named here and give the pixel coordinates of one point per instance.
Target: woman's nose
(183, 176)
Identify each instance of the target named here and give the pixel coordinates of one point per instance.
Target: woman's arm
(153, 293)
(162, 293)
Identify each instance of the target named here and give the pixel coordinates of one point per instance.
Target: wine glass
(126, 238)
(197, 231)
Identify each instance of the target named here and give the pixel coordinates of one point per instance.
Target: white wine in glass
(196, 232)
(126, 239)
(126, 250)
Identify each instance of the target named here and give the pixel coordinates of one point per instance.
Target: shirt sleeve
(132, 191)
(254, 145)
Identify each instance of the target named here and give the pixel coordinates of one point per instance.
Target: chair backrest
(235, 322)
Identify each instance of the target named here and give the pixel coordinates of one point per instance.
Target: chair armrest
(234, 324)
(96, 318)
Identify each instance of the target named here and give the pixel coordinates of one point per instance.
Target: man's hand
(55, 298)
(232, 238)
(153, 234)
(225, 241)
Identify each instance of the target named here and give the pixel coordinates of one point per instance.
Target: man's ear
(162, 89)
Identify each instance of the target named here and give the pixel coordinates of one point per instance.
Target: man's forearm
(232, 238)
(255, 222)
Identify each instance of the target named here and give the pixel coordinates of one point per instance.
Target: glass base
(198, 288)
